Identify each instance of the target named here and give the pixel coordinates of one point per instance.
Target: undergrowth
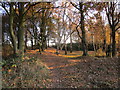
(26, 73)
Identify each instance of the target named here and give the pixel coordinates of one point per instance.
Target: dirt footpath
(85, 72)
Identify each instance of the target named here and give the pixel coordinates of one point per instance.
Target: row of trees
(23, 18)
(43, 22)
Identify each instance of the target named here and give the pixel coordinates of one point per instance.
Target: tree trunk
(32, 42)
(57, 50)
(11, 29)
(43, 30)
(104, 45)
(65, 44)
(93, 43)
(21, 29)
(39, 43)
(70, 42)
(84, 44)
(113, 19)
(3, 37)
(113, 43)
(65, 49)
(25, 39)
(21, 38)
(48, 42)
(35, 35)
(34, 27)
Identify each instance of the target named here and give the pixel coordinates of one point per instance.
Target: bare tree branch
(3, 5)
(74, 5)
(30, 7)
(117, 28)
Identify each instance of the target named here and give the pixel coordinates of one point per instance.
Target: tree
(11, 28)
(11, 22)
(18, 10)
(23, 8)
(21, 27)
(81, 6)
(113, 19)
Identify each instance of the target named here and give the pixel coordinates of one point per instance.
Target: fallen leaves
(25, 74)
(85, 72)
(82, 72)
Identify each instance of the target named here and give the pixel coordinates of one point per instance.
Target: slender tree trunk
(48, 42)
(25, 40)
(70, 38)
(110, 51)
(113, 43)
(64, 29)
(57, 50)
(71, 46)
(118, 45)
(70, 42)
(93, 42)
(79, 44)
(65, 49)
(39, 43)
(33, 27)
(32, 42)
(104, 45)
(35, 35)
(3, 37)
(11, 29)
(65, 44)
(84, 43)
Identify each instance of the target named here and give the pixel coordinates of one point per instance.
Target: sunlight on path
(58, 65)
(68, 72)
(69, 55)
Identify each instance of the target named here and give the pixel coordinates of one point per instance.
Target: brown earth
(79, 72)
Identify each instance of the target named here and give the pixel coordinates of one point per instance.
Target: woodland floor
(75, 71)
(68, 71)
